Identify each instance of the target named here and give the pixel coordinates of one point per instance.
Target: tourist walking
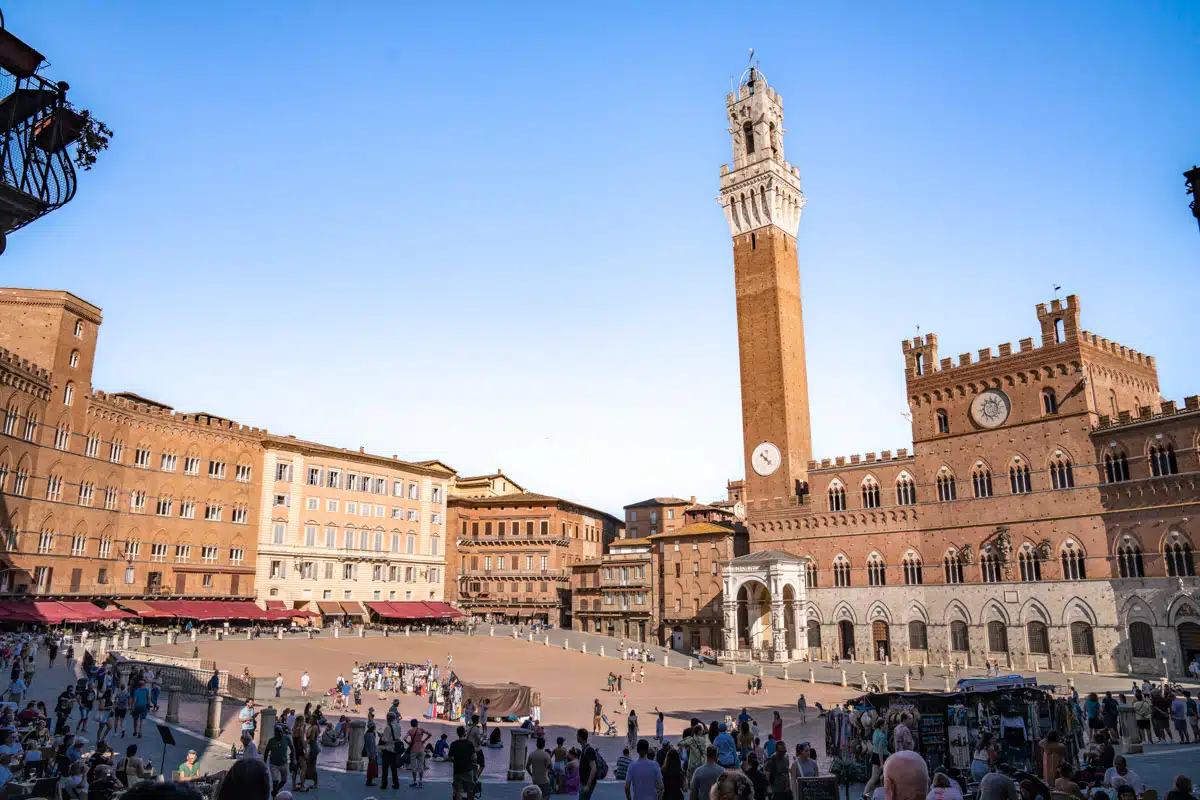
(371, 752)
(278, 683)
(304, 681)
(659, 724)
(416, 739)
(631, 729)
(390, 739)
(644, 779)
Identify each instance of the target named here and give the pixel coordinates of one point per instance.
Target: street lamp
(1192, 182)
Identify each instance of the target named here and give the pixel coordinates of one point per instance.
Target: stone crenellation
(13, 360)
(178, 417)
(1168, 408)
(870, 458)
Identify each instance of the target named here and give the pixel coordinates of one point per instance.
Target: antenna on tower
(1056, 288)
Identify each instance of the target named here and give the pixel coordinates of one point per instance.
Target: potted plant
(848, 772)
(17, 57)
(65, 126)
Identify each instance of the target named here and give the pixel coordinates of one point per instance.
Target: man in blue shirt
(644, 779)
(141, 707)
(726, 748)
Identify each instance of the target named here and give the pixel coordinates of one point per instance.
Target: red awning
(45, 612)
(329, 607)
(78, 611)
(442, 610)
(276, 605)
(140, 608)
(407, 609)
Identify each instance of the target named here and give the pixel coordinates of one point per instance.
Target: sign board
(168, 738)
(823, 788)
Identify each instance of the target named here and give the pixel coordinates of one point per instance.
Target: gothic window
(1129, 561)
(876, 570)
(981, 482)
(918, 635)
(1049, 402)
(1141, 640)
(912, 569)
(997, 636)
(1039, 638)
(814, 633)
(960, 638)
(837, 496)
(870, 493)
(1030, 563)
(1082, 641)
(1162, 460)
(810, 574)
(947, 487)
(1178, 555)
(1116, 467)
(1018, 477)
(943, 421)
(952, 564)
(1072, 563)
(906, 490)
(748, 133)
(990, 568)
(1062, 476)
(841, 571)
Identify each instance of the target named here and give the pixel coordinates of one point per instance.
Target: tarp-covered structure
(504, 699)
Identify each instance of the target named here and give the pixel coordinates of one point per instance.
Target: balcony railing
(517, 574)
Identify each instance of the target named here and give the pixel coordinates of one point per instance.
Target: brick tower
(762, 201)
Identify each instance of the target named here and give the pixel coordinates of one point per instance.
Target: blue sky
(488, 234)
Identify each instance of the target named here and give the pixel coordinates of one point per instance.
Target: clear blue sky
(487, 233)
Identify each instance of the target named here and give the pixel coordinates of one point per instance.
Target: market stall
(945, 727)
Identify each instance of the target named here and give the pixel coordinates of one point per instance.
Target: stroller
(610, 726)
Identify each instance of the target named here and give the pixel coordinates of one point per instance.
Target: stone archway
(791, 635)
(1189, 642)
(881, 640)
(754, 616)
(846, 639)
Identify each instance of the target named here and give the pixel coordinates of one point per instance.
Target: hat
(721, 726)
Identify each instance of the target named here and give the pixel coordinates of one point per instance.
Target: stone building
(615, 594)
(514, 552)
(112, 496)
(345, 525)
(494, 485)
(1044, 515)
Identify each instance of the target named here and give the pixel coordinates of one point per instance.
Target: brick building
(514, 553)
(655, 515)
(112, 495)
(344, 525)
(689, 562)
(1046, 513)
(616, 593)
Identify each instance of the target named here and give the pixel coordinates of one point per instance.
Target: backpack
(601, 765)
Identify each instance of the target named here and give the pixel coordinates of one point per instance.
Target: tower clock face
(766, 459)
(990, 408)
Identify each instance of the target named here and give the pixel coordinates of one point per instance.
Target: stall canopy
(141, 608)
(201, 610)
(504, 699)
(276, 605)
(54, 612)
(414, 609)
(330, 608)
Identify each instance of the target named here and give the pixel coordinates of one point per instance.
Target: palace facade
(1045, 514)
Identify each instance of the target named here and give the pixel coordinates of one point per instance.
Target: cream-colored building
(340, 525)
(497, 484)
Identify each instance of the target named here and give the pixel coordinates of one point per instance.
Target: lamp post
(1192, 183)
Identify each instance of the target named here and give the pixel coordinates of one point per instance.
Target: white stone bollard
(760, 670)
(362, 631)
(249, 635)
(602, 651)
(864, 677)
(689, 663)
(426, 630)
(566, 643)
(885, 682)
(733, 668)
(907, 684)
(812, 675)
(408, 630)
(843, 679)
(193, 634)
(583, 648)
(666, 659)
(491, 630)
(947, 683)
(785, 672)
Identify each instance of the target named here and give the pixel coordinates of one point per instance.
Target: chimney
(693, 501)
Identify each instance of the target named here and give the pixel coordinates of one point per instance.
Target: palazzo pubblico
(1045, 516)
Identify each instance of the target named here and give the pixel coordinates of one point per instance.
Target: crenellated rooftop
(883, 457)
(177, 417)
(1169, 408)
(32, 370)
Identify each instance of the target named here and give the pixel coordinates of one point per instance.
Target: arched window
(748, 133)
(1082, 641)
(810, 574)
(1129, 560)
(1141, 640)
(1162, 460)
(876, 570)
(960, 638)
(906, 490)
(947, 487)
(1178, 554)
(814, 632)
(919, 363)
(841, 571)
(943, 421)
(69, 394)
(989, 566)
(981, 481)
(1072, 563)
(953, 566)
(918, 635)
(1030, 563)
(870, 493)
(74, 362)
(1062, 476)
(1049, 402)
(837, 496)
(1116, 467)
(912, 569)
(1018, 477)
(78, 328)
(1059, 331)
(997, 637)
(1039, 638)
